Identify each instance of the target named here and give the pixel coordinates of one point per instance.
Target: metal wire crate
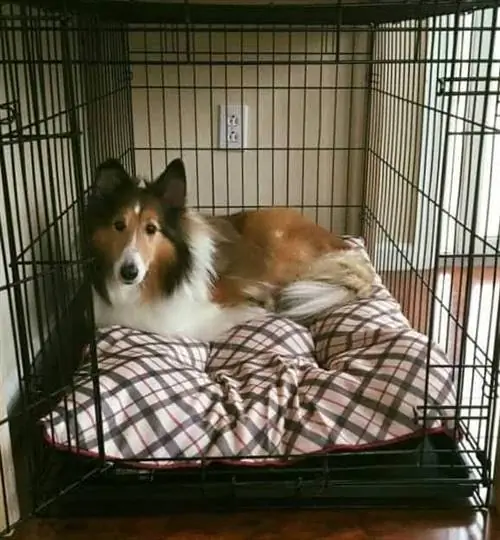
(375, 118)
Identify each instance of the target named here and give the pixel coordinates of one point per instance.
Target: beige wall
(186, 96)
(324, 113)
(395, 132)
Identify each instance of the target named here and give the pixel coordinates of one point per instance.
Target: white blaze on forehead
(137, 208)
(132, 243)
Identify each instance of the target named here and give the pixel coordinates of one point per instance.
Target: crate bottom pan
(424, 471)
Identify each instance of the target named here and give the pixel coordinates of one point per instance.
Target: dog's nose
(129, 272)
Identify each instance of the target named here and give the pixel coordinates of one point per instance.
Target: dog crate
(378, 119)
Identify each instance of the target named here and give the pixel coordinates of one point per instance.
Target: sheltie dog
(160, 267)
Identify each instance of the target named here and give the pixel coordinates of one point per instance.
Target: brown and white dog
(160, 267)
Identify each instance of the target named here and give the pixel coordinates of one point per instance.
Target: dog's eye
(151, 228)
(119, 225)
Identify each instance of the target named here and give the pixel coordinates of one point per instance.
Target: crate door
(45, 298)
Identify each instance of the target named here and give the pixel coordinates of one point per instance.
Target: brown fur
(266, 250)
(165, 256)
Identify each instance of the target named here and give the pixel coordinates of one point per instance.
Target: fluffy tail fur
(334, 279)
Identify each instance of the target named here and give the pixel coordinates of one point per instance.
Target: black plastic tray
(423, 472)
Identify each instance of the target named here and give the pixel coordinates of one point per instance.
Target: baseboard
(390, 256)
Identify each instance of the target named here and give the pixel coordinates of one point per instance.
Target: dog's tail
(334, 279)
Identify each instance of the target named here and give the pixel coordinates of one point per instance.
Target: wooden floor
(449, 301)
(307, 525)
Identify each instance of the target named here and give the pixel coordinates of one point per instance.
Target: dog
(158, 266)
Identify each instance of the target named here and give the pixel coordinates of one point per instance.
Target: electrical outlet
(233, 126)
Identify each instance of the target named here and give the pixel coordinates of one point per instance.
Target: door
(472, 191)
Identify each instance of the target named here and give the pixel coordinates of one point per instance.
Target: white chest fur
(179, 315)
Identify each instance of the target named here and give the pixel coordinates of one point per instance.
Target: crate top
(343, 12)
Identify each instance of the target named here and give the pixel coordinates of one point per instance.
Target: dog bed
(269, 392)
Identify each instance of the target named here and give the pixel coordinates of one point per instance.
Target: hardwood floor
(305, 525)
(417, 300)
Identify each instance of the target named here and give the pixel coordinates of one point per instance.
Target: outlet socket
(233, 126)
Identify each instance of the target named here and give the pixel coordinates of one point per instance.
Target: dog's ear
(171, 184)
(109, 176)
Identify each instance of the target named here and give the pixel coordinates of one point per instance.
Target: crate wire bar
(376, 119)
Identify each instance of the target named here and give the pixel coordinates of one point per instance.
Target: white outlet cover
(233, 134)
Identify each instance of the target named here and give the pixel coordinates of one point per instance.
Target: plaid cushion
(270, 390)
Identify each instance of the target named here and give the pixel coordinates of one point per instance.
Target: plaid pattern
(268, 391)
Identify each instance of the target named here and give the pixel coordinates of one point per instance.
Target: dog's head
(135, 234)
